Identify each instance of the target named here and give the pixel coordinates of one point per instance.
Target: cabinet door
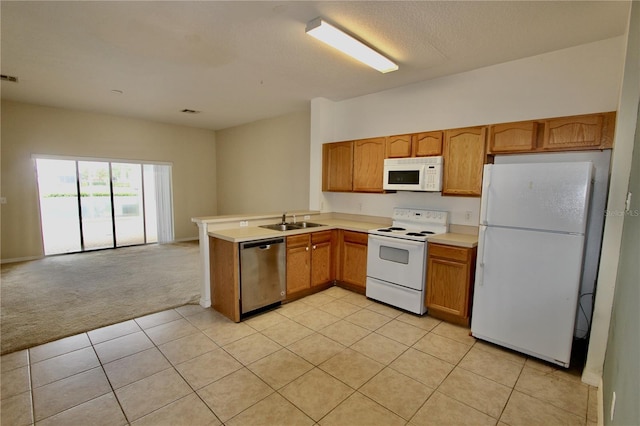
(321, 256)
(368, 163)
(578, 132)
(446, 286)
(399, 146)
(427, 144)
(464, 155)
(354, 258)
(513, 137)
(337, 166)
(298, 263)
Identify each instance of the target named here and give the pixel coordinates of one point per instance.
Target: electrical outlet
(3, 200)
(613, 404)
(467, 216)
(359, 207)
(307, 217)
(244, 223)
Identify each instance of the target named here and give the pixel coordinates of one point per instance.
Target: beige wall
(30, 129)
(264, 166)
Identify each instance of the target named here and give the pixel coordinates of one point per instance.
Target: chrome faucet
(284, 218)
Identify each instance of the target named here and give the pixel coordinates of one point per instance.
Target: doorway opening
(97, 204)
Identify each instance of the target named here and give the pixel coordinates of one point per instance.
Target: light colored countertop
(249, 233)
(454, 239)
(239, 235)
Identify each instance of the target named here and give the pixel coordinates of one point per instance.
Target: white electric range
(397, 257)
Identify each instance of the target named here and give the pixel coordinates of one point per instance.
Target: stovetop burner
(415, 224)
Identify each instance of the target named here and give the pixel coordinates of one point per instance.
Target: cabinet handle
(307, 248)
(314, 247)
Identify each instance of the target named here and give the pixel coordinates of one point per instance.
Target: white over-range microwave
(413, 174)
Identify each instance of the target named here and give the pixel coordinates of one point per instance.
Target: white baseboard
(182, 240)
(20, 259)
(591, 378)
(600, 403)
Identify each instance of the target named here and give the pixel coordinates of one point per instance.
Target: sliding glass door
(90, 205)
(59, 208)
(96, 206)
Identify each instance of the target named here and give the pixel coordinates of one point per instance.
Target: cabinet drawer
(356, 237)
(321, 237)
(449, 252)
(298, 241)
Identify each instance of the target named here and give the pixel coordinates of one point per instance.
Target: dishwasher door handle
(267, 247)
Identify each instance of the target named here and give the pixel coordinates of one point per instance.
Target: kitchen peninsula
(346, 261)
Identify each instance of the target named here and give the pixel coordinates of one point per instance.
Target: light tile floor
(333, 358)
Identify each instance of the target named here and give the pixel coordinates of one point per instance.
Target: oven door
(397, 261)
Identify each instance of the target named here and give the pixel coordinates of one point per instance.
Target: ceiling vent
(10, 78)
(190, 111)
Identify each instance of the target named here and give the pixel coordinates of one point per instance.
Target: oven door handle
(396, 242)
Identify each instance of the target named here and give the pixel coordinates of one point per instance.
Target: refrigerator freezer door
(544, 196)
(526, 291)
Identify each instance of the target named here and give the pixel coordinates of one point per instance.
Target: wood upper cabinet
(464, 157)
(322, 253)
(337, 166)
(424, 144)
(399, 146)
(593, 131)
(352, 268)
(427, 144)
(298, 263)
(368, 163)
(450, 274)
(513, 137)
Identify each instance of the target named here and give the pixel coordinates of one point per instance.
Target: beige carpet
(58, 296)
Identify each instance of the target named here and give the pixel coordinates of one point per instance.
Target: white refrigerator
(533, 219)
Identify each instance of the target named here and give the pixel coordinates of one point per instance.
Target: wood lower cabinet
(224, 264)
(298, 263)
(368, 163)
(337, 167)
(309, 261)
(352, 263)
(450, 275)
(464, 158)
(322, 254)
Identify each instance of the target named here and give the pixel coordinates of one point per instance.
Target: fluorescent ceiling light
(334, 37)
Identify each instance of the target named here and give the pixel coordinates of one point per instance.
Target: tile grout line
(176, 370)
(31, 389)
(108, 381)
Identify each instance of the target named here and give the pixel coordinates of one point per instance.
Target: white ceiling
(238, 61)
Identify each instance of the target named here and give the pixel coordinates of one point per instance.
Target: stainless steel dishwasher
(262, 274)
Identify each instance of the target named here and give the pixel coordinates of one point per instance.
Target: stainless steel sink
(291, 226)
(281, 226)
(307, 224)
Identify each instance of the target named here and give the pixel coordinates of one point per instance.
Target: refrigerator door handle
(484, 201)
(480, 265)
